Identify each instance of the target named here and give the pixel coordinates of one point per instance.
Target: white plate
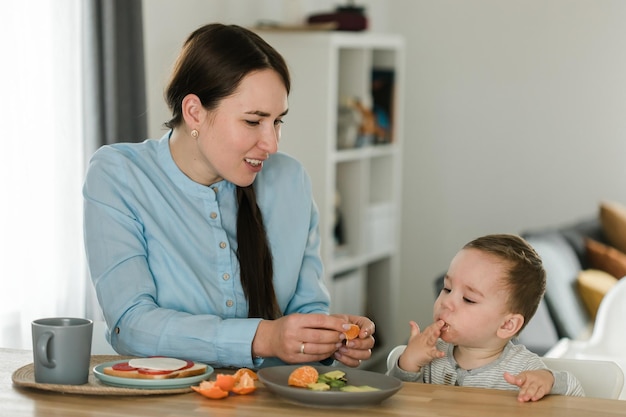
(171, 383)
(275, 379)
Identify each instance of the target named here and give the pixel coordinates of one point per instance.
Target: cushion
(562, 298)
(593, 284)
(613, 219)
(606, 258)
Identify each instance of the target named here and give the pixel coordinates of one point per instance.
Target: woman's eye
(279, 122)
(253, 122)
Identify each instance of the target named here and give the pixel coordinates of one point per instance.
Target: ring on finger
(302, 348)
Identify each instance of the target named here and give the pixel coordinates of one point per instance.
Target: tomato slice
(123, 366)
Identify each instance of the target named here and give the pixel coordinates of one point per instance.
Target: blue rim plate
(275, 380)
(171, 383)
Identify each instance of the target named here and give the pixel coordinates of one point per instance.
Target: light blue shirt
(161, 251)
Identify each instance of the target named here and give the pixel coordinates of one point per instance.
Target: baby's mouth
(445, 327)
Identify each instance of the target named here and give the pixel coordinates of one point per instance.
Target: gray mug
(62, 350)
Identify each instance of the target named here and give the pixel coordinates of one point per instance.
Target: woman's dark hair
(213, 61)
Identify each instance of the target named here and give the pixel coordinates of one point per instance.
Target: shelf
(357, 189)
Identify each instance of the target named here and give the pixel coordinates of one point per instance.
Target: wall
(515, 113)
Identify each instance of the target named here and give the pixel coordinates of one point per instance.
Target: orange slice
(245, 385)
(210, 390)
(303, 376)
(225, 382)
(245, 371)
(352, 332)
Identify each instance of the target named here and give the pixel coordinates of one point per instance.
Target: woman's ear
(510, 326)
(193, 112)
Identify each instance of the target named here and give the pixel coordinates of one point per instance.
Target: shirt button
(213, 215)
(226, 276)
(229, 303)
(222, 245)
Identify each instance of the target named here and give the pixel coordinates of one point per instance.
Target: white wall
(516, 112)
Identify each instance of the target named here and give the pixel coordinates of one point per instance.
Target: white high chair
(608, 338)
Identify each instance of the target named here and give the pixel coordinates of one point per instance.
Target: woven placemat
(25, 377)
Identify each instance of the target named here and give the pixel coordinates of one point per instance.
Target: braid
(255, 257)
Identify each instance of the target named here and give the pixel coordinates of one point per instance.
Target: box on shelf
(349, 293)
(380, 227)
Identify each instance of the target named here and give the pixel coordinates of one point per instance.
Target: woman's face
(241, 133)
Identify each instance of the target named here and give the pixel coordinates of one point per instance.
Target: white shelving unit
(327, 67)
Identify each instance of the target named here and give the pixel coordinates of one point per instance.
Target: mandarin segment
(352, 332)
(245, 371)
(303, 376)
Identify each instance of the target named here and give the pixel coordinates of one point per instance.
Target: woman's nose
(269, 141)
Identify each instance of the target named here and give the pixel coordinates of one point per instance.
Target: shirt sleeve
(566, 384)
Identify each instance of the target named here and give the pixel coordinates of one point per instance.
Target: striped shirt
(514, 360)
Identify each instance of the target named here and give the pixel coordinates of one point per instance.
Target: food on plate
(157, 367)
(303, 376)
(352, 332)
(242, 383)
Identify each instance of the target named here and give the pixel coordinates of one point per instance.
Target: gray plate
(275, 379)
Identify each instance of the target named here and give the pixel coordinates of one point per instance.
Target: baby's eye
(467, 300)
(446, 290)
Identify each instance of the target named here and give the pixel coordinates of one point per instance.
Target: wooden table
(413, 399)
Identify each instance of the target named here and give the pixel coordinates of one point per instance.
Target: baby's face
(473, 299)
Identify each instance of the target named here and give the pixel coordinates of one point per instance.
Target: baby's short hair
(525, 278)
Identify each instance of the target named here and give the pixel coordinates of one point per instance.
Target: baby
(491, 291)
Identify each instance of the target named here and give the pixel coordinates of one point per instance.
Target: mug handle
(42, 350)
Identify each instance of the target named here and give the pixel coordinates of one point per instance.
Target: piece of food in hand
(352, 332)
(303, 376)
(156, 368)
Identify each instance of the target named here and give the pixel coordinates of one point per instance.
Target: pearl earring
(195, 134)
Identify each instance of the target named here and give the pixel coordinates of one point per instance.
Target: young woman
(204, 244)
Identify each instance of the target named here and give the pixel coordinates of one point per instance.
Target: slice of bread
(155, 370)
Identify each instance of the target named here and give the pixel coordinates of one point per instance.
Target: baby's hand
(422, 347)
(533, 385)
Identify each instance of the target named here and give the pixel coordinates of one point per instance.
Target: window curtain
(114, 84)
(41, 166)
(72, 80)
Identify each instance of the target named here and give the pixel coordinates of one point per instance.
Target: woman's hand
(297, 338)
(356, 350)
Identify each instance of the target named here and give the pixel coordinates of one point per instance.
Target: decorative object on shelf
(338, 232)
(382, 94)
(369, 130)
(348, 18)
(349, 120)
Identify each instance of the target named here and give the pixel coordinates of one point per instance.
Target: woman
(204, 244)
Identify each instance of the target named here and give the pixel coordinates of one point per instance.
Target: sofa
(582, 263)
